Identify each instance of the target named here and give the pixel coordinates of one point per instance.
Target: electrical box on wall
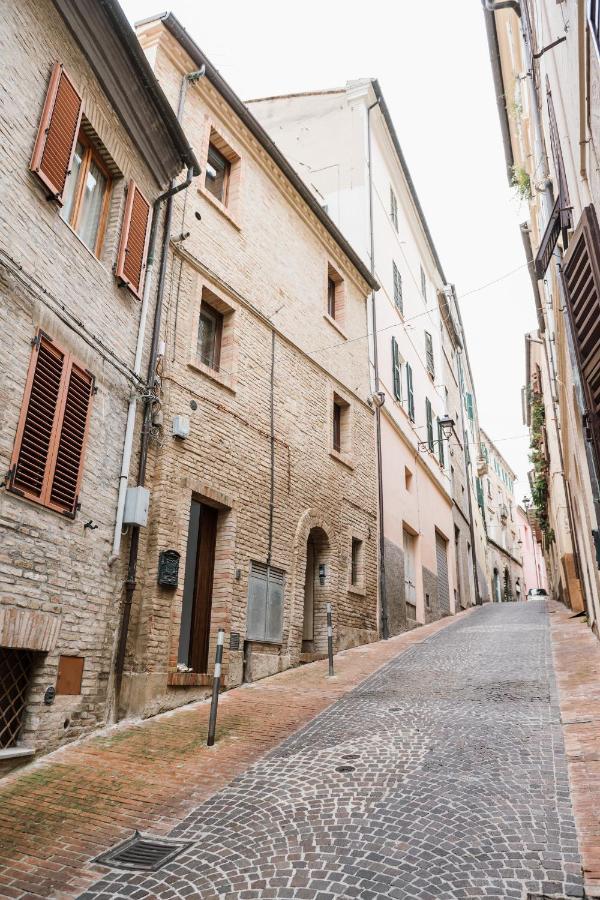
(181, 426)
(137, 501)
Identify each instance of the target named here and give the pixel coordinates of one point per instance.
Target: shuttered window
(429, 354)
(398, 300)
(410, 393)
(57, 133)
(429, 420)
(396, 370)
(581, 276)
(48, 455)
(264, 620)
(393, 208)
(133, 245)
(440, 438)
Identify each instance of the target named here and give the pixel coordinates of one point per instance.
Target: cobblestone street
(441, 776)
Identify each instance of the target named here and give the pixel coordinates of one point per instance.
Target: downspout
(499, 88)
(130, 582)
(582, 87)
(385, 629)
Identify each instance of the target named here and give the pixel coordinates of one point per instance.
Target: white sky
(432, 62)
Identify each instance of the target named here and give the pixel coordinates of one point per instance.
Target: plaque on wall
(168, 568)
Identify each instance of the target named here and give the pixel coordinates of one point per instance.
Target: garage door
(441, 552)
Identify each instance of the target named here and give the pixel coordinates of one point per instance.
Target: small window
(408, 478)
(210, 331)
(398, 301)
(410, 395)
(423, 284)
(331, 297)
(393, 208)
(341, 425)
(218, 170)
(335, 296)
(429, 354)
(87, 195)
(356, 569)
(440, 443)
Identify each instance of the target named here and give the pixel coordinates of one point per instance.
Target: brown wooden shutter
(133, 246)
(581, 276)
(47, 459)
(67, 466)
(57, 133)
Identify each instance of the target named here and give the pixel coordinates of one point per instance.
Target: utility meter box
(137, 501)
(181, 426)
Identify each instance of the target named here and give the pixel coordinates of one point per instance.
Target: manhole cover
(142, 853)
(344, 769)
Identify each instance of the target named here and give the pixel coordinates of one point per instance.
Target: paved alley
(443, 775)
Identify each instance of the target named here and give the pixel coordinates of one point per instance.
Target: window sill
(16, 753)
(225, 380)
(344, 458)
(225, 212)
(191, 679)
(359, 590)
(335, 325)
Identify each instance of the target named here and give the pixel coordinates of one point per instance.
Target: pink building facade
(534, 567)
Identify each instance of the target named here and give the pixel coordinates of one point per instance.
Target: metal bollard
(329, 639)
(214, 703)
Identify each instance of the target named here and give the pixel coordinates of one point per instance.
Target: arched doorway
(496, 597)
(317, 586)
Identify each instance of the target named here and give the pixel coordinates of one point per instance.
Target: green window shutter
(440, 444)
(429, 354)
(410, 393)
(396, 371)
(480, 500)
(469, 402)
(429, 418)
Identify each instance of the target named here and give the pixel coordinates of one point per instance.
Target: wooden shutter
(57, 133)
(396, 370)
(429, 420)
(47, 459)
(581, 278)
(429, 353)
(133, 246)
(440, 437)
(410, 393)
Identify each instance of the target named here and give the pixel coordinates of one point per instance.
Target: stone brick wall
(50, 566)
(266, 266)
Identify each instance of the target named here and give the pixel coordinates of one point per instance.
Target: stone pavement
(56, 815)
(577, 666)
(443, 775)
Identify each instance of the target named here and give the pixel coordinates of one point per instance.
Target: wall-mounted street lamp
(446, 427)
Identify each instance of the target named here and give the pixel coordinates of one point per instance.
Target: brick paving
(443, 775)
(56, 815)
(577, 666)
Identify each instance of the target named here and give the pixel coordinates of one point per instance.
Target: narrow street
(442, 775)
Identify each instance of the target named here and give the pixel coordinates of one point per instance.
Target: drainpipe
(582, 87)
(130, 582)
(385, 628)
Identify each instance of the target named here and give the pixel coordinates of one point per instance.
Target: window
(393, 208)
(16, 667)
(266, 586)
(429, 421)
(131, 257)
(469, 405)
(356, 567)
(210, 332)
(47, 461)
(340, 425)
(218, 171)
(410, 396)
(57, 133)
(440, 437)
(396, 370)
(87, 195)
(337, 427)
(398, 301)
(408, 477)
(423, 284)
(489, 488)
(429, 354)
(335, 295)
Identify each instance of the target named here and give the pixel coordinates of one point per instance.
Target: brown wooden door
(203, 587)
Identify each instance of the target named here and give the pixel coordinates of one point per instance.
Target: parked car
(536, 592)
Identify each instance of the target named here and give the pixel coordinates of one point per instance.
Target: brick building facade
(74, 154)
(269, 502)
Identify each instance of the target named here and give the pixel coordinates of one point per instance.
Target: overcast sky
(432, 62)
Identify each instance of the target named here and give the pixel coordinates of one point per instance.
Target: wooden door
(308, 632)
(198, 587)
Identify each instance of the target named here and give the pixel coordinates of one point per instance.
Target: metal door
(441, 552)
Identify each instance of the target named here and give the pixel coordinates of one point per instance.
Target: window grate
(15, 676)
(142, 853)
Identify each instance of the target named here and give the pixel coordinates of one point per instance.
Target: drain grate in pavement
(142, 853)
